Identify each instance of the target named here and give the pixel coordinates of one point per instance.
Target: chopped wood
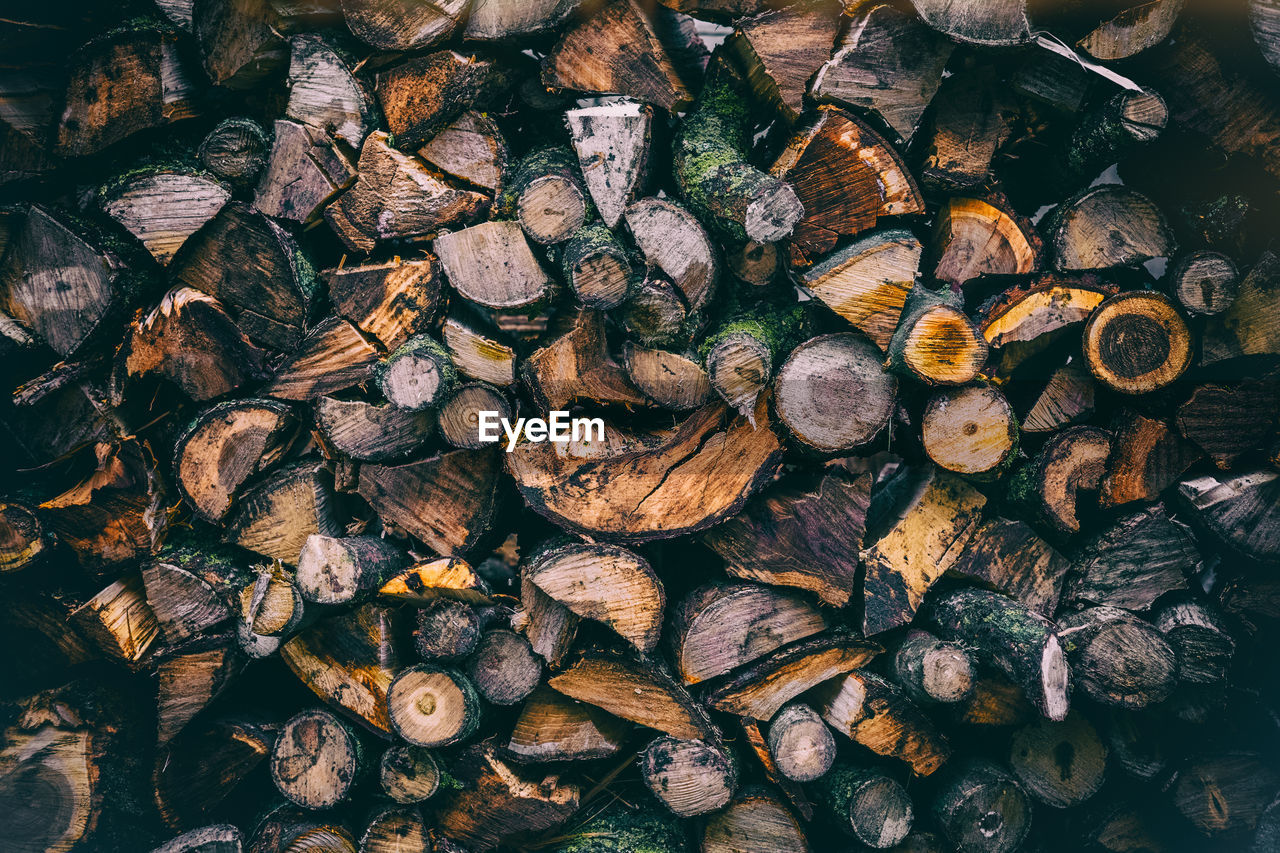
(371, 433)
(612, 143)
(1009, 556)
(332, 357)
(477, 355)
(553, 727)
(876, 713)
(315, 760)
(447, 577)
(471, 148)
(872, 807)
(1073, 461)
(1117, 658)
(324, 92)
(781, 51)
(163, 207)
(801, 744)
(867, 281)
(970, 431)
(1133, 563)
(275, 517)
(1136, 343)
(932, 670)
(671, 240)
(401, 25)
(935, 341)
(981, 806)
(236, 151)
(1147, 457)
(576, 367)
(637, 692)
(671, 380)
(975, 237)
(305, 170)
(690, 777)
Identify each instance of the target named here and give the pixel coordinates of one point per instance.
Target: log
(22, 537)
(935, 342)
(760, 689)
(637, 692)
(656, 315)
(1200, 641)
(780, 51)
(846, 177)
(545, 193)
(917, 544)
(409, 774)
(1080, 233)
(236, 151)
(970, 431)
(324, 92)
(802, 746)
(498, 801)
(190, 677)
(625, 829)
(616, 50)
(671, 380)
(391, 301)
(334, 570)
(889, 63)
(1134, 562)
(1224, 793)
(982, 807)
(793, 791)
(1237, 510)
(1118, 659)
(396, 196)
(1022, 644)
(1134, 30)
(305, 170)
(492, 265)
(400, 25)
(471, 148)
(432, 706)
(552, 727)
(418, 375)
(867, 281)
(316, 759)
(755, 818)
(1074, 460)
(503, 667)
(968, 126)
(671, 240)
(446, 630)
(844, 372)
(866, 804)
(689, 777)
(239, 41)
(206, 763)
(275, 517)
(973, 237)
(1136, 343)
(287, 825)
(423, 96)
(612, 143)
(731, 196)
(192, 587)
(1205, 282)
(458, 417)
(598, 268)
(394, 827)
(1147, 457)
(931, 670)
(448, 577)
(1009, 556)
(876, 713)
(476, 354)
(805, 532)
(1062, 764)
(718, 628)
(576, 367)
(162, 207)
(505, 20)
(741, 354)
(220, 838)
(371, 433)
(1227, 422)
(332, 357)
(1068, 398)
(119, 621)
(989, 24)
(225, 446)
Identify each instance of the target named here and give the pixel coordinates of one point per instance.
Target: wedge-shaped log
(612, 144)
(876, 713)
(637, 692)
(275, 517)
(867, 281)
(553, 727)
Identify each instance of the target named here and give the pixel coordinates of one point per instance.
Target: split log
(1108, 226)
(1147, 457)
(1224, 793)
(970, 431)
(1134, 562)
(497, 801)
(304, 171)
(733, 197)
(396, 827)
(1200, 640)
(324, 92)
(127, 80)
(922, 538)
(22, 537)
(239, 41)
(115, 514)
(192, 587)
(275, 517)
(348, 661)
(833, 394)
(690, 777)
(995, 702)
(1239, 510)
(637, 692)
(741, 354)
(802, 746)
(616, 50)
(448, 577)
(612, 143)
(191, 341)
(432, 706)
(889, 63)
(391, 301)
(846, 177)
(867, 281)
(1009, 556)
(505, 20)
(119, 621)
(1022, 644)
(190, 677)
(868, 805)
(781, 51)
(236, 151)
(471, 148)
(877, 714)
(371, 433)
(316, 759)
(205, 764)
(603, 582)
(973, 237)
(424, 95)
(671, 380)
(477, 355)
(760, 689)
(287, 825)
(396, 196)
(400, 25)
(648, 493)
(1000, 24)
(447, 630)
(1133, 30)
(1248, 329)
(969, 124)
(1118, 659)
(492, 265)
(221, 838)
(1068, 398)
(162, 207)
(58, 281)
(553, 727)
(1137, 343)
(671, 240)
(718, 628)
(225, 446)
(935, 341)
(576, 367)
(1205, 282)
(1062, 764)
(255, 269)
(503, 668)
(804, 532)
(447, 501)
(755, 819)
(271, 605)
(342, 571)
(1073, 461)
(1030, 311)
(981, 807)
(931, 670)
(1227, 422)
(793, 791)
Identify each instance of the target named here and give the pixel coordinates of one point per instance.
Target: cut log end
(1137, 343)
(430, 706)
(773, 214)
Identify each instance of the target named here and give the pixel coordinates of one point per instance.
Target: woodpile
(640, 426)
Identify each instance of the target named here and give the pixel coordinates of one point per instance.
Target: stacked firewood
(935, 350)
